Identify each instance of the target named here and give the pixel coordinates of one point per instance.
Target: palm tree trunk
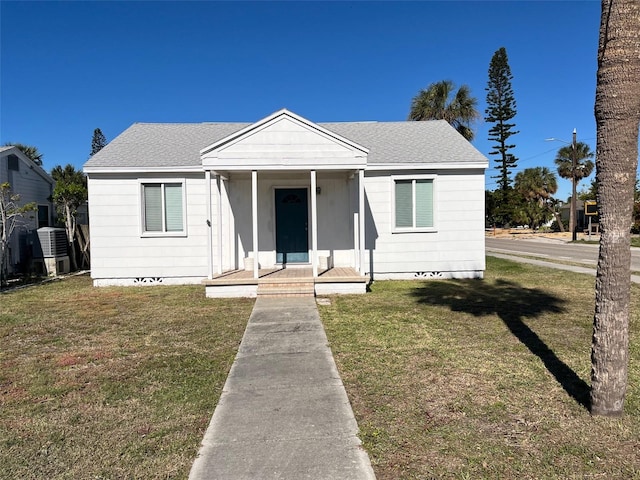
(559, 221)
(617, 111)
(3, 240)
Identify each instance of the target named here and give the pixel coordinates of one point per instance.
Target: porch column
(219, 200)
(314, 226)
(356, 242)
(361, 218)
(207, 181)
(254, 220)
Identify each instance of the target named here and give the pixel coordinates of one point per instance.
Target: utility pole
(572, 210)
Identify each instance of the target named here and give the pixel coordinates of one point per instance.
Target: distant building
(33, 184)
(582, 221)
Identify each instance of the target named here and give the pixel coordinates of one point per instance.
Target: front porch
(284, 191)
(286, 281)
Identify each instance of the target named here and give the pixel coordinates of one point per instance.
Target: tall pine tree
(501, 108)
(98, 142)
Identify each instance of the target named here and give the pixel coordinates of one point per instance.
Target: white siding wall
(119, 251)
(228, 231)
(455, 249)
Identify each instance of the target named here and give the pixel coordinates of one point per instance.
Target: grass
(106, 383)
(448, 379)
(586, 242)
(482, 379)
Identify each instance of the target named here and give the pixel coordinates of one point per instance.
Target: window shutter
(152, 208)
(173, 206)
(424, 203)
(404, 201)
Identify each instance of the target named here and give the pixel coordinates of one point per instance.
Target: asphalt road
(569, 252)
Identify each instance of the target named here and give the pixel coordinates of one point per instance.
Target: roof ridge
(388, 121)
(190, 123)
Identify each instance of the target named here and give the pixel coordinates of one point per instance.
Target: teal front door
(292, 216)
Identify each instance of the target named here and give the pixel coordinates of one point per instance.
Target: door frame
(307, 188)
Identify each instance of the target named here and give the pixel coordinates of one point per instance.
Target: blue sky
(67, 68)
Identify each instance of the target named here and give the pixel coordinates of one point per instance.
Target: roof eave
(166, 169)
(428, 166)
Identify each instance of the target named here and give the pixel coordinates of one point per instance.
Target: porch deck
(297, 280)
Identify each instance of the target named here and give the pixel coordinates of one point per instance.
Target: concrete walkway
(283, 413)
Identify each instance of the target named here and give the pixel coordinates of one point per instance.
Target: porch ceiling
(264, 164)
(267, 174)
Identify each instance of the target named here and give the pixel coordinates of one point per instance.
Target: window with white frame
(163, 208)
(413, 200)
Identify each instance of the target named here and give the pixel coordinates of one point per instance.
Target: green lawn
(106, 383)
(482, 379)
(448, 379)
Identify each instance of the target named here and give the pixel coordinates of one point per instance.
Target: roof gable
(279, 122)
(7, 150)
(284, 140)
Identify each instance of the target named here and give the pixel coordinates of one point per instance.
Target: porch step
(286, 289)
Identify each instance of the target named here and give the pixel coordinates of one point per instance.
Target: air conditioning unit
(53, 241)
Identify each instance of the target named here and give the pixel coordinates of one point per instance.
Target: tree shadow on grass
(512, 303)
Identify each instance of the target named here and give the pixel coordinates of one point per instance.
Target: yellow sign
(590, 208)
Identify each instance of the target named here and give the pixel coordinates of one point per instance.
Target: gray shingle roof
(148, 145)
(409, 142)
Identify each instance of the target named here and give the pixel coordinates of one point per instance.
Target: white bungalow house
(239, 206)
(33, 184)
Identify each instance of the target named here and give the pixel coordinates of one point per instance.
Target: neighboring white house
(33, 184)
(183, 203)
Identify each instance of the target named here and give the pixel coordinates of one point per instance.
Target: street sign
(590, 208)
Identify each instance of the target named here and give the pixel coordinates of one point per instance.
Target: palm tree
(435, 103)
(584, 165)
(536, 186)
(617, 111)
(583, 168)
(32, 152)
(69, 193)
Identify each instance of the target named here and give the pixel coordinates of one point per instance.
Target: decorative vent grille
(429, 275)
(148, 281)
